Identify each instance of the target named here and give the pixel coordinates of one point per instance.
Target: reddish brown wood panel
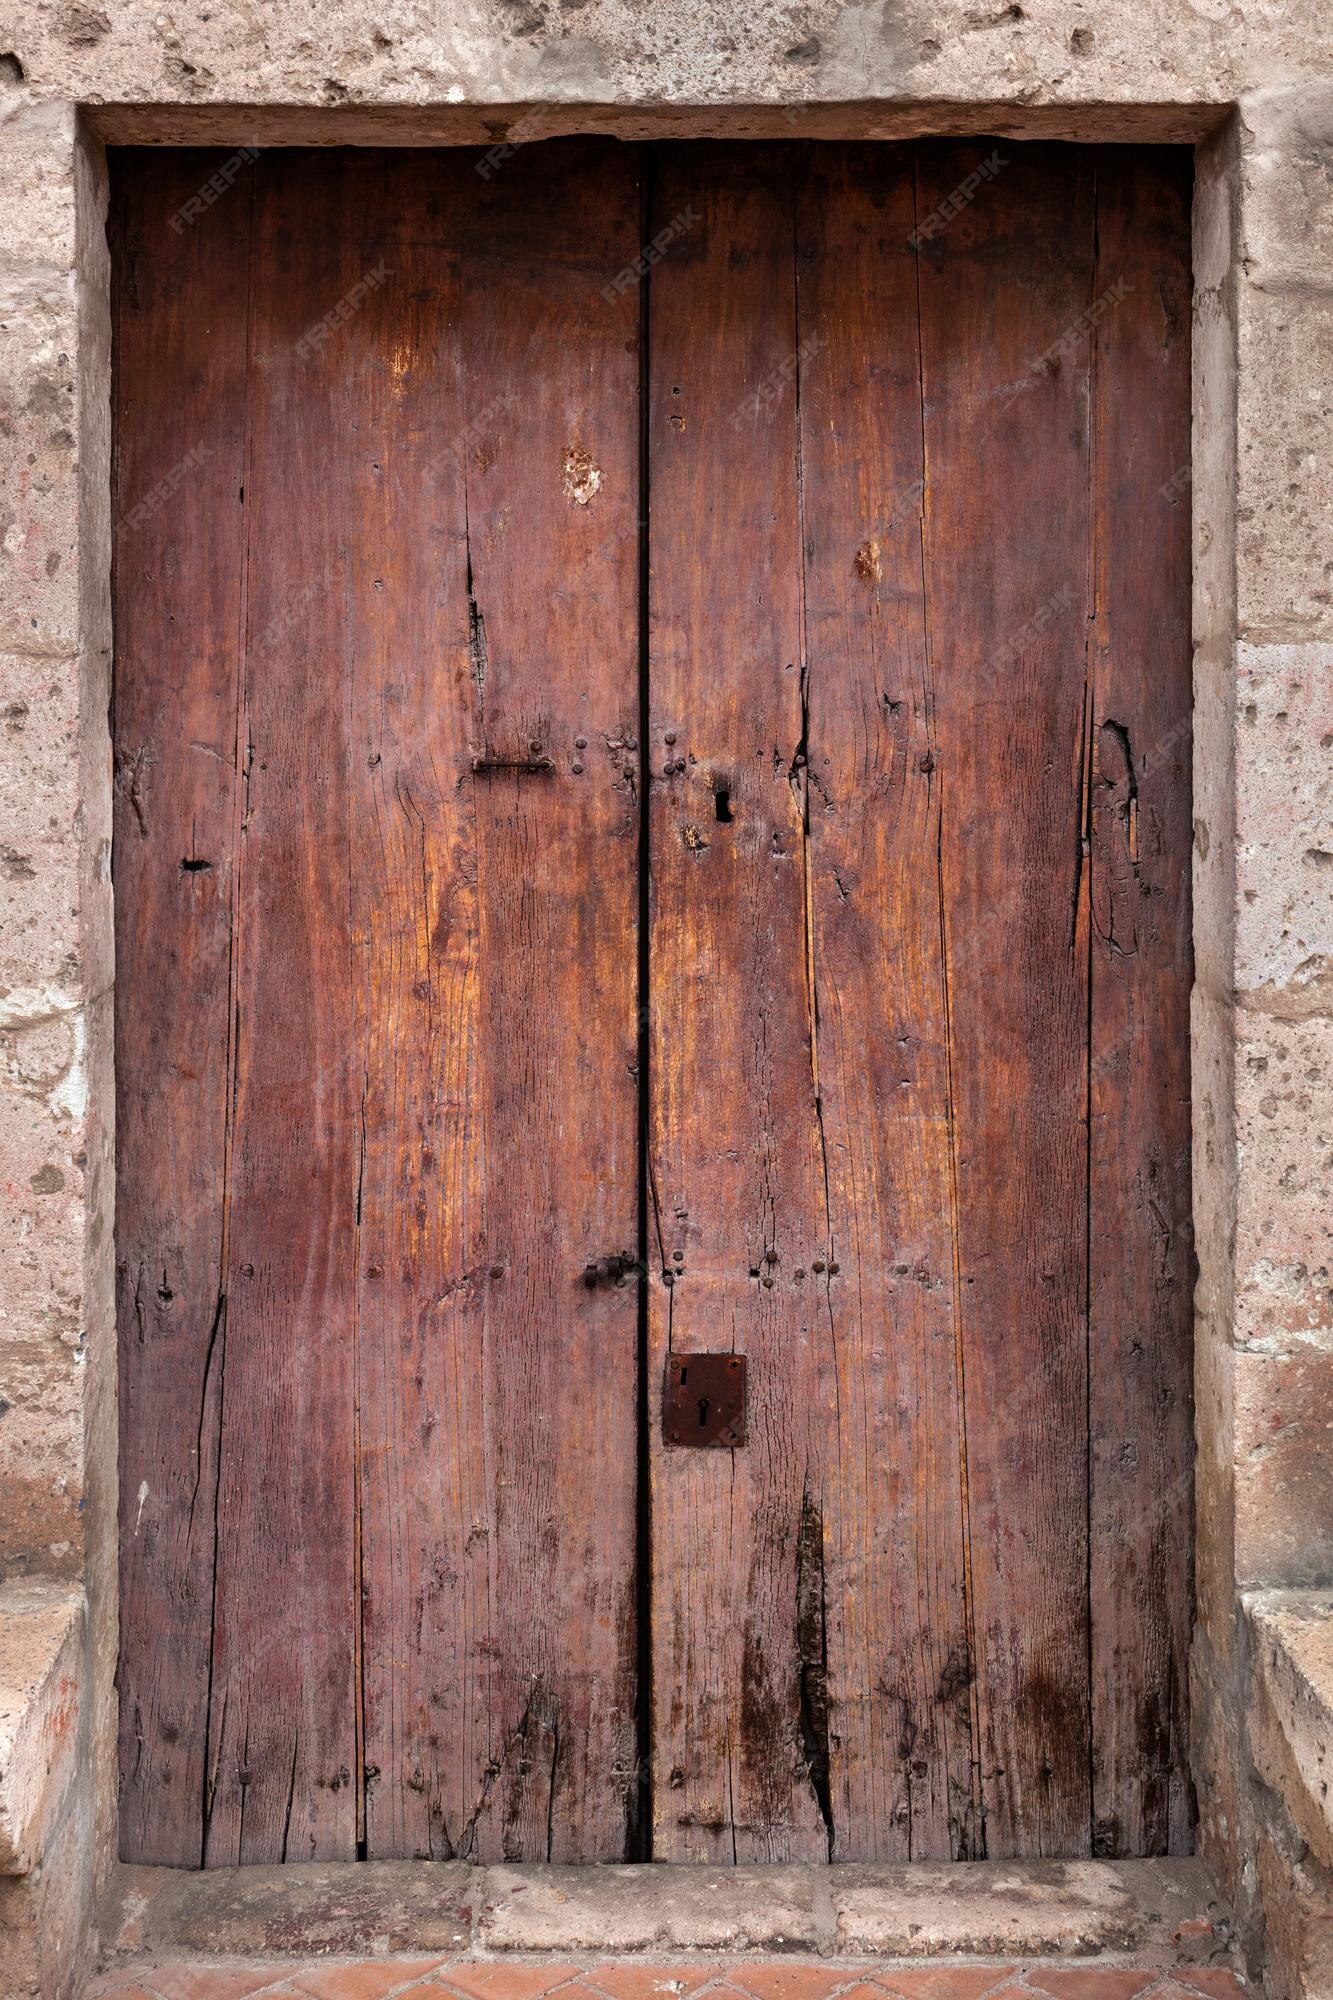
(418, 1631)
(553, 537)
(498, 883)
(994, 1629)
(283, 1687)
(178, 537)
(1007, 563)
(1141, 1248)
(915, 814)
(899, 1681)
(739, 1220)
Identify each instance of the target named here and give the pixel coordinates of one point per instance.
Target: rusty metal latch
(703, 1400)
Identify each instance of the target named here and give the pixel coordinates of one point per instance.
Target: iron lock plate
(703, 1400)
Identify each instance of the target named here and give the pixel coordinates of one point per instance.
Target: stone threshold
(1148, 1913)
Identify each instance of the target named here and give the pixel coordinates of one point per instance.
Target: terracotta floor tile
(863, 1990)
(376, 1979)
(502, 1981)
(786, 1982)
(1090, 1982)
(435, 1979)
(624, 1981)
(945, 1982)
(116, 1986)
(1214, 1980)
(179, 1981)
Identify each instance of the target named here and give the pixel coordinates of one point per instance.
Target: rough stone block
(41, 1648)
(1284, 823)
(1214, 868)
(1284, 483)
(1218, 1766)
(1291, 1707)
(998, 1909)
(1284, 1199)
(1286, 186)
(39, 823)
(37, 215)
(302, 1909)
(1157, 51)
(39, 487)
(1284, 1468)
(42, 1247)
(1298, 1924)
(647, 1909)
(1212, 500)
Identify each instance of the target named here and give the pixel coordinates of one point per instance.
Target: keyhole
(722, 803)
(703, 1413)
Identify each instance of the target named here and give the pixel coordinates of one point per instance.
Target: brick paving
(444, 1979)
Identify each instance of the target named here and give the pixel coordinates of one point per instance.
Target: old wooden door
(653, 817)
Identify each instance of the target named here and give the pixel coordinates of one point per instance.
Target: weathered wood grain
(899, 1673)
(1006, 563)
(1141, 1246)
(543, 1765)
(283, 1693)
(735, 1162)
(178, 527)
(395, 497)
(917, 822)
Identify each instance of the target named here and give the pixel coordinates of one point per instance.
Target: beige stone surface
(1034, 1908)
(57, 1348)
(1284, 481)
(41, 1662)
(1298, 1923)
(1284, 1466)
(38, 141)
(1284, 823)
(303, 1909)
(1287, 140)
(700, 51)
(1262, 505)
(1291, 1707)
(39, 858)
(1284, 1207)
(648, 1909)
(39, 515)
(1164, 1912)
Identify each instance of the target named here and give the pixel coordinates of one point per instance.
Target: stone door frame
(1262, 1036)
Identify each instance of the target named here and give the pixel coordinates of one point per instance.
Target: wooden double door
(652, 834)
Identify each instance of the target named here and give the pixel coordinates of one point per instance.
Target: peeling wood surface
(914, 979)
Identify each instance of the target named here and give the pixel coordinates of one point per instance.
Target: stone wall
(1251, 83)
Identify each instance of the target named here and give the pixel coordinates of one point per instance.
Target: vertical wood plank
(1141, 1245)
(550, 347)
(495, 563)
(179, 407)
(282, 1750)
(735, 1166)
(1006, 282)
(421, 1265)
(899, 1672)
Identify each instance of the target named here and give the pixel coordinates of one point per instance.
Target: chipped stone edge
(41, 1655)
